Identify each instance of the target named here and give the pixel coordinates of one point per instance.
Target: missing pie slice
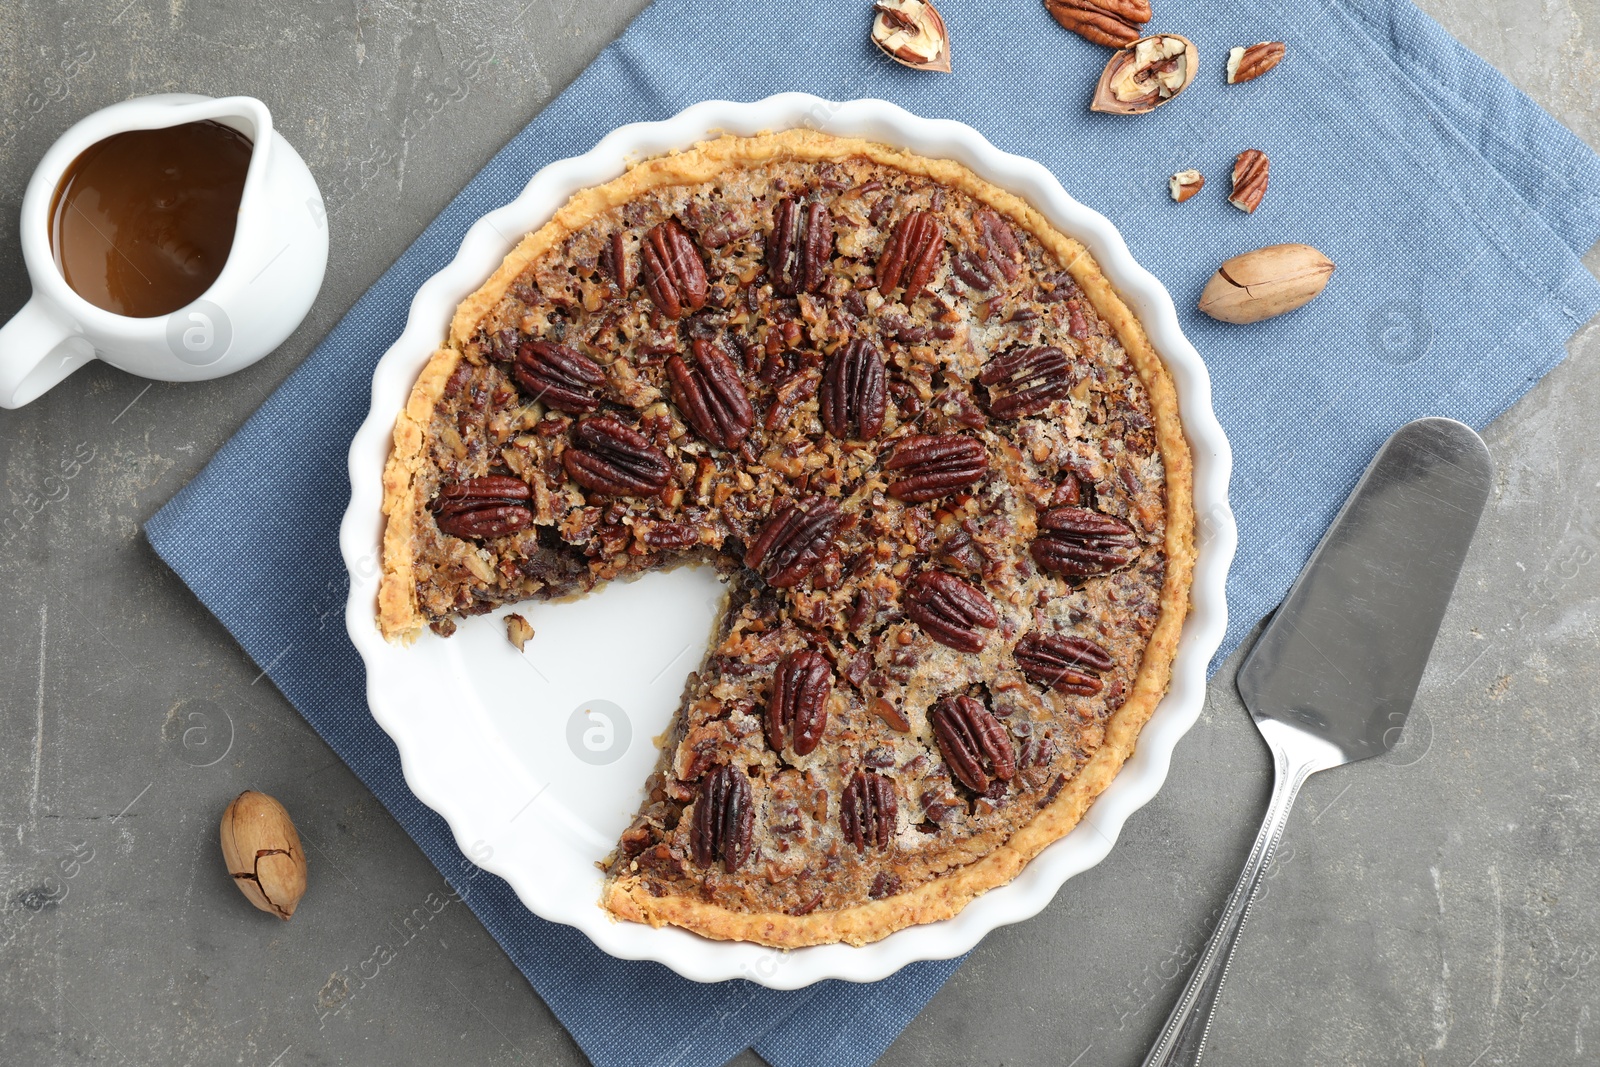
(930, 449)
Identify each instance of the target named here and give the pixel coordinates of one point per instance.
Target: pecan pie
(931, 451)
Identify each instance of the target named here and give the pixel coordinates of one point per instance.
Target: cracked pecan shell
(674, 273)
(868, 810)
(1063, 662)
(491, 506)
(911, 256)
(931, 465)
(724, 820)
(800, 246)
(952, 612)
(974, 744)
(559, 376)
(1026, 379)
(712, 395)
(1081, 543)
(794, 541)
(797, 711)
(610, 457)
(855, 392)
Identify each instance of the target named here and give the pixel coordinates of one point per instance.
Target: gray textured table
(1441, 906)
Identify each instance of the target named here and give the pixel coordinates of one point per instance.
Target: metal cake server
(1332, 677)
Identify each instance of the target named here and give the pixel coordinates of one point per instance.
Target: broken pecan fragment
(491, 506)
(724, 819)
(1113, 23)
(867, 812)
(794, 541)
(674, 273)
(712, 395)
(608, 456)
(1025, 380)
(561, 377)
(854, 392)
(911, 256)
(1081, 543)
(1063, 662)
(952, 612)
(1249, 180)
(797, 711)
(800, 246)
(1248, 64)
(972, 741)
(932, 465)
(1185, 184)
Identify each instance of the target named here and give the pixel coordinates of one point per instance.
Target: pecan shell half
(855, 392)
(561, 377)
(1025, 380)
(800, 247)
(931, 465)
(724, 820)
(491, 506)
(972, 741)
(952, 612)
(610, 457)
(867, 811)
(1081, 543)
(911, 256)
(1113, 23)
(794, 541)
(674, 273)
(1063, 662)
(712, 395)
(797, 711)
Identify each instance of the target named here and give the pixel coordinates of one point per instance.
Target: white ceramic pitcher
(273, 272)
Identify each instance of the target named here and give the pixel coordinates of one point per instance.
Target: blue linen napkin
(1455, 208)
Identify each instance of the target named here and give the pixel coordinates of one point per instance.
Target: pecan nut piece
(1081, 543)
(1249, 180)
(1185, 185)
(610, 457)
(797, 711)
(911, 256)
(712, 395)
(1024, 380)
(491, 506)
(1113, 23)
(561, 377)
(867, 811)
(931, 465)
(855, 393)
(996, 257)
(1063, 662)
(952, 612)
(972, 741)
(674, 273)
(1248, 64)
(724, 820)
(794, 541)
(800, 247)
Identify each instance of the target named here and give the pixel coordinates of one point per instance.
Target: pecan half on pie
(931, 451)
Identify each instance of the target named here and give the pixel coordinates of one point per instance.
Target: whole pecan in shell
(797, 711)
(491, 506)
(1081, 543)
(712, 395)
(1024, 380)
(911, 256)
(1063, 662)
(561, 377)
(1113, 23)
(972, 741)
(724, 818)
(674, 273)
(931, 465)
(610, 457)
(952, 612)
(800, 246)
(794, 541)
(855, 392)
(867, 811)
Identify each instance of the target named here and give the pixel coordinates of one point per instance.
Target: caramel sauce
(143, 221)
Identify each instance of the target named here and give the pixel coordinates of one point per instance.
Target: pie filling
(917, 450)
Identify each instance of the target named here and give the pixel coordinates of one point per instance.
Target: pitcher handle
(38, 348)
